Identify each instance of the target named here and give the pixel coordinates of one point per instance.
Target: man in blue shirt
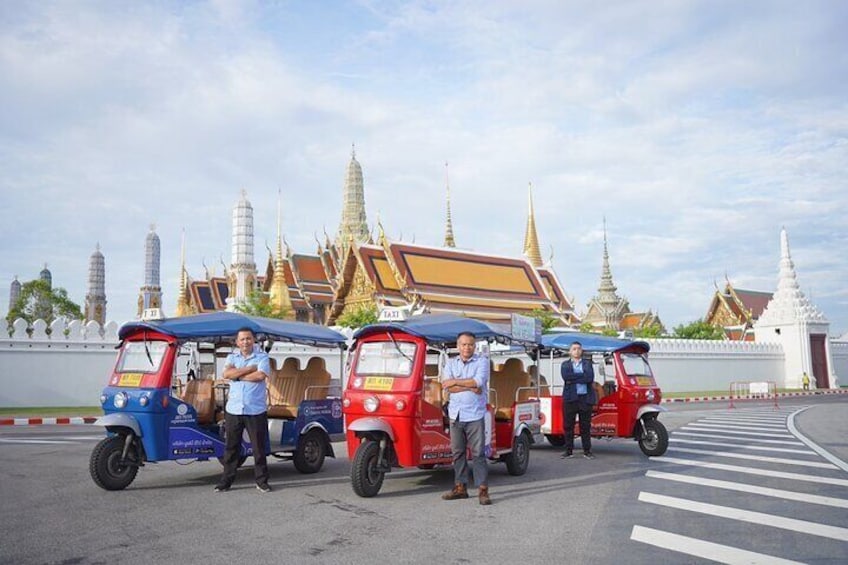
(468, 383)
(246, 369)
(578, 397)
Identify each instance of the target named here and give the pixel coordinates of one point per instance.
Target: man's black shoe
(222, 488)
(263, 488)
(566, 455)
(588, 455)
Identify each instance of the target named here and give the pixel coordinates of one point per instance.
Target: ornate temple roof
(789, 305)
(448, 280)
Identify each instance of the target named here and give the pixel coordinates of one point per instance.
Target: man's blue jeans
(473, 435)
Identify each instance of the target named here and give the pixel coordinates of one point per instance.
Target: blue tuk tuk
(150, 415)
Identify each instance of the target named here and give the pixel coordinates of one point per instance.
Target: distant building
(736, 310)
(14, 292)
(95, 298)
(609, 311)
(150, 293)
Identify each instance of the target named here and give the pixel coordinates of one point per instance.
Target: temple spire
(606, 288)
(353, 223)
(531, 239)
(95, 298)
(183, 308)
(279, 292)
(449, 240)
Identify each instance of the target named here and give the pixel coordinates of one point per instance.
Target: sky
(697, 129)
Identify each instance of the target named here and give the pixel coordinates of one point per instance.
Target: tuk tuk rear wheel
(365, 477)
(518, 460)
(310, 453)
(654, 440)
(105, 465)
(554, 440)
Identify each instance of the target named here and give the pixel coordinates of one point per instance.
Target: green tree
(699, 329)
(587, 328)
(652, 330)
(257, 304)
(355, 318)
(609, 332)
(549, 320)
(39, 301)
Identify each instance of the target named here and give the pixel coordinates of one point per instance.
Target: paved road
(748, 485)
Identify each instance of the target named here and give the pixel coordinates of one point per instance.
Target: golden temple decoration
(531, 239)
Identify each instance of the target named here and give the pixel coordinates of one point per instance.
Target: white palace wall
(70, 366)
(682, 365)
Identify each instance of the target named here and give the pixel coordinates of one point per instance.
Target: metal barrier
(746, 390)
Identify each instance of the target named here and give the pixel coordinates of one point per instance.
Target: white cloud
(697, 129)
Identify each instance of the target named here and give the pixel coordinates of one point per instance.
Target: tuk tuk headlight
(357, 382)
(144, 399)
(650, 396)
(120, 400)
(103, 399)
(371, 404)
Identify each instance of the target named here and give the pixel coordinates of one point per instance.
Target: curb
(748, 397)
(47, 421)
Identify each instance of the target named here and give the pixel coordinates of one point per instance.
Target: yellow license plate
(130, 379)
(379, 383)
(645, 381)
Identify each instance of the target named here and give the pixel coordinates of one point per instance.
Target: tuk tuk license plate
(379, 383)
(645, 381)
(130, 379)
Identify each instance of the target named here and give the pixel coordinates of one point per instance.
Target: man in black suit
(578, 397)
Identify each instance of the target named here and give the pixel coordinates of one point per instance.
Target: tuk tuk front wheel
(365, 475)
(654, 440)
(106, 466)
(310, 453)
(518, 460)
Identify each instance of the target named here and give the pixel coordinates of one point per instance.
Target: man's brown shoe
(459, 491)
(483, 495)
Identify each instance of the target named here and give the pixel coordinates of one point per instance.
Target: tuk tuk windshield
(636, 365)
(142, 356)
(386, 358)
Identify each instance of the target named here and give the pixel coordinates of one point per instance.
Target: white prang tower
(150, 295)
(791, 320)
(354, 225)
(95, 298)
(242, 275)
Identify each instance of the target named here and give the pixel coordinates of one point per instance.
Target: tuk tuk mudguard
(112, 422)
(364, 425)
(649, 409)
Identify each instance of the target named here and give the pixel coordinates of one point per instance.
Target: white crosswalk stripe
(734, 434)
(744, 446)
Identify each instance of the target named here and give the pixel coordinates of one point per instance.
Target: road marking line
(37, 441)
(734, 432)
(754, 447)
(770, 441)
(753, 471)
(759, 423)
(813, 445)
(763, 458)
(760, 518)
(753, 489)
(704, 549)
(734, 426)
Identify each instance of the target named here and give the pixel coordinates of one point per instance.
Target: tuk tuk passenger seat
(433, 391)
(506, 382)
(280, 389)
(544, 389)
(316, 380)
(200, 393)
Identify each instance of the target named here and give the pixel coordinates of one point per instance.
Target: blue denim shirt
(466, 405)
(248, 398)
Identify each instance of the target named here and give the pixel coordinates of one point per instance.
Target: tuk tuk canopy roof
(222, 325)
(592, 343)
(441, 329)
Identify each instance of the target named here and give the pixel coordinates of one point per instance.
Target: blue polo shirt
(468, 406)
(248, 398)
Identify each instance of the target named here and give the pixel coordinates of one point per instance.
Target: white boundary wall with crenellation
(70, 367)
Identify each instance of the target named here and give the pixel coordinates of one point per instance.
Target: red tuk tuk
(628, 396)
(393, 404)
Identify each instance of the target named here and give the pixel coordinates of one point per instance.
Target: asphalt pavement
(735, 486)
